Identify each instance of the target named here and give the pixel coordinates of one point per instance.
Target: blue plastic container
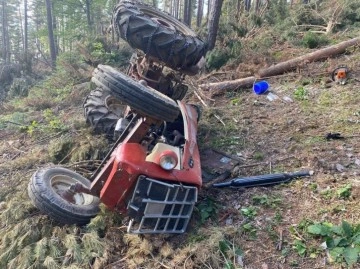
(260, 87)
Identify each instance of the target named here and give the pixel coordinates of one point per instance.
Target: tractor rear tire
(102, 111)
(45, 189)
(141, 99)
(158, 35)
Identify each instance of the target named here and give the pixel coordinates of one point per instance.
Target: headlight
(168, 160)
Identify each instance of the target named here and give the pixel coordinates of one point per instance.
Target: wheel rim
(164, 23)
(61, 186)
(114, 105)
(167, 20)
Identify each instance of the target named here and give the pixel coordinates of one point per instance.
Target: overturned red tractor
(152, 173)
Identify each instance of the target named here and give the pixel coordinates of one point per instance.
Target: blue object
(261, 87)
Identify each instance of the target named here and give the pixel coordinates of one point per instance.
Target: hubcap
(114, 105)
(61, 185)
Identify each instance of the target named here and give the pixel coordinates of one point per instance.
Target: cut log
(289, 65)
(280, 68)
(218, 87)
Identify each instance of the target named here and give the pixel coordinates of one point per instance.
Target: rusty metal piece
(79, 188)
(216, 164)
(67, 195)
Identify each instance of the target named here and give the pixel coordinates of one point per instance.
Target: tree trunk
(50, 33)
(247, 5)
(176, 9)
(257, 6)
(208, 11)
(171, 7)
(200, 12)
(27, 58)
(26, 41)
(238, 8)
(213, 23)
(88, 16)
(310, 57)
(5, 34)
(186, 17)
(167, 6)
(54, 26)
(21, 27)
(187, 12)
(219, 87)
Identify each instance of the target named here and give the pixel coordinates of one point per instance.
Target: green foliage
(240, 30)
(60, 150)
(277, 12)
(249, 212)
(102, 52)
(53, 122)
(301, 94)
(20, 87)
(350, 15)
(207, 209)
(249, 229)
(13, 121)
(262, 42)
(259, 156)
(312, 40)
(344, 192)
(230, 252)
(327, 194)
(217, 58)
(342, 242)
(30, 129)
(300, 247)
(268, 201)
(306, 15)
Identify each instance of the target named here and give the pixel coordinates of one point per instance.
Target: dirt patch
(289, 134)
(263, 227)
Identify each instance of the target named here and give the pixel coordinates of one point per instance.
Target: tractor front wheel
(49, 190)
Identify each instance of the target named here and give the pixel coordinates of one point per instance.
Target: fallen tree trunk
(310, 57)
(280, 68)
(217, 87)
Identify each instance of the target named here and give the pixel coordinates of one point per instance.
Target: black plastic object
(330, 136)
(262, 180)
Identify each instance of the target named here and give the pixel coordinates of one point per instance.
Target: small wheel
(158, 35)
(102, 110)
(49, 191)
(140, 98)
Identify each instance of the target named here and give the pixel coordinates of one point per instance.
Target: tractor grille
(158, 207)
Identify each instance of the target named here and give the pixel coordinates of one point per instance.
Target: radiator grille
(159, 207)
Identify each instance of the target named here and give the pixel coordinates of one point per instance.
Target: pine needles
(31, 240)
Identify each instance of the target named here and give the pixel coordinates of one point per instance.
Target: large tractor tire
(141, 99)
(158, 35)
(47, 188)
(102, 110)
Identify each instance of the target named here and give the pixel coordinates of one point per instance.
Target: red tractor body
(129, 161)
(152, 173)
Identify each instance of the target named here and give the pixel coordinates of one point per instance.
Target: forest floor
(279, 226)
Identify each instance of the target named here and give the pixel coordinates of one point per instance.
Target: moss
(60, 150)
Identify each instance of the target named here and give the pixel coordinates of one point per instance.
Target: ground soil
(290, 134)
(283, 135)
